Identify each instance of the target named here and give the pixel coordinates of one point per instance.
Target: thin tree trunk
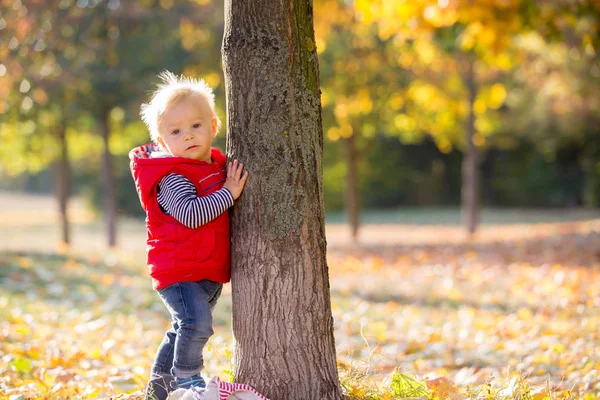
(469, 164)
(108, 182)
(282, 320)
(488, 169)
(63, 182)
(352, 198)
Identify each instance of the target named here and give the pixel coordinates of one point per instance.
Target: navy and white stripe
(178, 197)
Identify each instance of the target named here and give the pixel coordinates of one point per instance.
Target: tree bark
(282, 321)
(352, 198)
(63, 182)
(108, 182)
(469, 165)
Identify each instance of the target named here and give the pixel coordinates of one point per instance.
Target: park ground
(419, 309)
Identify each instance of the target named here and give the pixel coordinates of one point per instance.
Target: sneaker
(159, 387)
(194, 381)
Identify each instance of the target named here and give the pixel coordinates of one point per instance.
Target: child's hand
(235, 180)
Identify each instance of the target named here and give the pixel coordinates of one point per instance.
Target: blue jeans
(190, 305)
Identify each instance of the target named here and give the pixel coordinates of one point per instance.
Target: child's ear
(214, 128)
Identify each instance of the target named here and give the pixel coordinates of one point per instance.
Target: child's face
(187, 129)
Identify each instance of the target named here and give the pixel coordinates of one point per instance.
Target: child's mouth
(192, 147)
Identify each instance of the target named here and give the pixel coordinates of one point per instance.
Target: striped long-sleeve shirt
(178, 197)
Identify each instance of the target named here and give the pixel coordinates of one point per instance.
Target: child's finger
(242, 179)
(231, 168)
(239, 170)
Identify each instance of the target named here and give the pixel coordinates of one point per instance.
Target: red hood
(149, 165)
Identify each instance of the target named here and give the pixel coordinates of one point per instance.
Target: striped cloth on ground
(218, 390)
(226, 389)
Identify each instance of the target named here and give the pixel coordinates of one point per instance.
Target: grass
(451, 216)
(418, 311)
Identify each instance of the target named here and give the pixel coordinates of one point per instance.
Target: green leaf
(403, 385)
(22, 365)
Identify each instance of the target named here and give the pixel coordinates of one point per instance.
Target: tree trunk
(488, 170)
(352, 198)
(282, 321)
(108, 182)
(63, 182)
(469, 164)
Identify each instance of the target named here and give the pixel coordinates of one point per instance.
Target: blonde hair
(174, 89)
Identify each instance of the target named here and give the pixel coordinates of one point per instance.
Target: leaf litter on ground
(514, 315)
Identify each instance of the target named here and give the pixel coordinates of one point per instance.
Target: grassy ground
(451, 216)
(516, 309)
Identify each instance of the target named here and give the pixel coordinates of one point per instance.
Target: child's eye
(175, 132)
(196, 126)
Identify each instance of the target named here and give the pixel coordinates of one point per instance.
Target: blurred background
(428, 106)
(441, 118)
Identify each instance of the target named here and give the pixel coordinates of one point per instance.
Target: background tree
(282, 319)
(40, 63)
(360, 80)
(559, 110)
(124, 37)
(83, 64)
(445, 71)
(455, 51)
(395, 84)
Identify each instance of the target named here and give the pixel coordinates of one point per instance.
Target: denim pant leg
(163, 362)
(190, 305)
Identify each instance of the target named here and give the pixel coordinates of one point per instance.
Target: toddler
(186, 192)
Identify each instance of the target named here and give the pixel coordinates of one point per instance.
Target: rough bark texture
(108, 183)
(282, 319)
(470, 176)
(63, 182)
(352, 197)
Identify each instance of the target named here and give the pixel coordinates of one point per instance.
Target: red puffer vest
(175, 252)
